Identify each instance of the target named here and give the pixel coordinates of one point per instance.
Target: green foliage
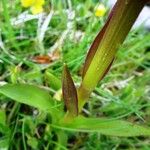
(107, 127)
(69, 93)
(4, 131)
(31, 117)
(53, 81)
(28, 94)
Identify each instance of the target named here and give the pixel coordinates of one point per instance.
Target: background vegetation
(27, 57)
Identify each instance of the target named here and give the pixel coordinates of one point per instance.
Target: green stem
(13, 112)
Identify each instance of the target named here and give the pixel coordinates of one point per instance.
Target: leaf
(69, 93)
(106, 127)
(106, 44)
(2, 117)
(28, 94)
(95, 45)
(108, 68)
(52, 80)
(4, 131)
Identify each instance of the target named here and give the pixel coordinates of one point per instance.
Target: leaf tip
(69, 92)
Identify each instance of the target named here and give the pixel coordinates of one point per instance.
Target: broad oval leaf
(28, 94)
(105, 126)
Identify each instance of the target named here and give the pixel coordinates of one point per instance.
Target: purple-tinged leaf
(108, 68)
(69, 93)
(106, 44)
(95, 44)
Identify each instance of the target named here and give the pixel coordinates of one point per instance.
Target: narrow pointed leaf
(108, 68)
(109, 39)
(105, 46)
(28, 94)
(69, 93)
(95, 44)
(106, 127)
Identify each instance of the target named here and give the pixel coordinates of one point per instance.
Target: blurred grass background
(25, 57)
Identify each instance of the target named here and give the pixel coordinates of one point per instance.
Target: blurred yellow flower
(36, 9)
(27, 3)
(36, 5)
(100, 10)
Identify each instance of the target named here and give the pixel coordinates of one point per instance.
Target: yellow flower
(27, 3)
(100, 10)
(36, 5)
(36, 9)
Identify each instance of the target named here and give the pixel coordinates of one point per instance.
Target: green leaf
(4, 131)
(2, 117)
(95, 45)
(113, 34)
(106, 127)
(28, 94)
(32, 142)
(52, 80)
(106, 44)
(69, 93)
